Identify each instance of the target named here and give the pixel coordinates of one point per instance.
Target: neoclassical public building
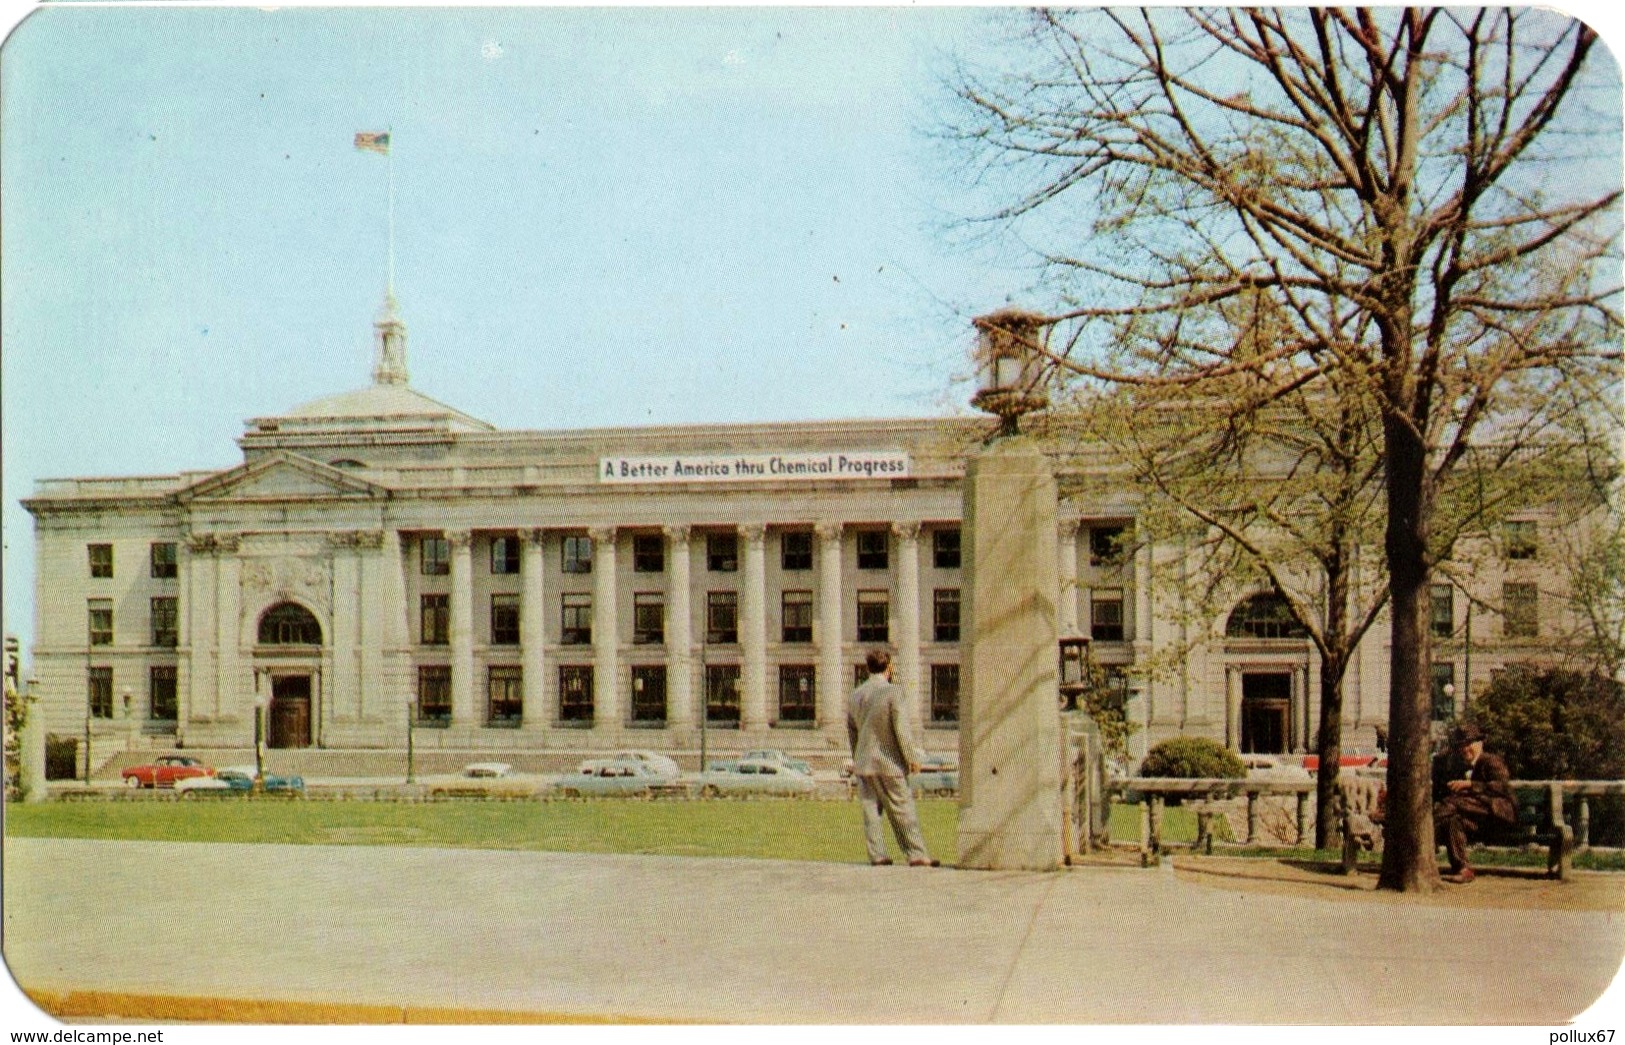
(381, 562)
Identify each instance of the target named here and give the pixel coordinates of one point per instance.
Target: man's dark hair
(878, 660)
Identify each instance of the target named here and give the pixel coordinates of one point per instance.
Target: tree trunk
(1328, 830)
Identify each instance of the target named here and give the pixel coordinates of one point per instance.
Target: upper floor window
(1442, 610)
(505, 620)
(162, 702)
(797, 619)
(100, 695)
(290, 624)
(648, 553)
(163, 559)
(1106, 545)
(1106, 614)
(648, 618)
(945, 549)
(1521, 610)
(722, 552)
(435, 620)
(1522, 539)
(945, 615)
(874, 613)
(101, 622)
(874, 548)
(504, 555)
(165, 618)
(1264, 616)
(101, 559)
(796, 550)
(435, 556)
(575, 627)
(576, 554)
(945, 693)
(722, 616)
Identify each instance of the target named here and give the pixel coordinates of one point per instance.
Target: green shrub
(1190, 758)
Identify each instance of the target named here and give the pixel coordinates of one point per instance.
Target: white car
(657, 764)
(752, 776)
(487, 769)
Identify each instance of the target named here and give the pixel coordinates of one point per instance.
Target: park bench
(1540, 823)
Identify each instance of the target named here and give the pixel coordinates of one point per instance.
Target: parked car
(777, 757)
(938, 775)
(237, 779)
(613, 777)
(164, 771)
(487, 770)
(1311, 763)
(752, 776)
(660, 764)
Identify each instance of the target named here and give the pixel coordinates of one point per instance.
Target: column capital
(1069, 528)
(677, 534)
(458, 539)
(357, 539)
(533, 536)
(906, 531)
(601, 534)
(829, 531)
(754, 533)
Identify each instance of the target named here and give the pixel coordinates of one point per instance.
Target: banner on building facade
(725, 468)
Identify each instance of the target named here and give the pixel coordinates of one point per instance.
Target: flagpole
(389, 156)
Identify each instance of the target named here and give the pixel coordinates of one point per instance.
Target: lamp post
(705, 704)
(1009, 366)
(410, 778)
(259, 746)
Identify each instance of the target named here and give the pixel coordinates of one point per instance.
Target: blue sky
(603, 217)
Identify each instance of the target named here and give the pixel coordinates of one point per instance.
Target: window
(945, 694)
(798, 693)
(504, 555)
(434, 694)
(722, 616)
(874, 612)
(945, 549)
(504, 620)
(100, 694)
(1521, 610)
(436, 620)
(796, 550)
(648, 553)
(575, 626)
(576, 554)
(101, 622)
(163, 559)
(1444, 704)
(648, 618)
(290, 624)
(101, 560)
(1106, 545)
(945, 615)
(165, 614)
(722, 552)
(1263, 616)
(798, 616)
(1521, 539)
(873, 548)
(649, 694)
(1106, 615)
(722, 694)
(434, 554)
(575, 693)
(162, 700)
(1442, 610)
(505, 693)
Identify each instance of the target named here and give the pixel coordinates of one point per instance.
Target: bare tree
(1427, 198)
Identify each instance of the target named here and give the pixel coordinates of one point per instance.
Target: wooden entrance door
(1266, 704)
(290, 712)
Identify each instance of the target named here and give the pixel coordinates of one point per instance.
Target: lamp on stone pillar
(1009, 366)
(1074, 667)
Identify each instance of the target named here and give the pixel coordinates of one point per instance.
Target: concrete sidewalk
(383, 933)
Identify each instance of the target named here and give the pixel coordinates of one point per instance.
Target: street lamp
(1009, 366)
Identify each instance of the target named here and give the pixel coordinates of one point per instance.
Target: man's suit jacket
(1490, 778)
(880, 730)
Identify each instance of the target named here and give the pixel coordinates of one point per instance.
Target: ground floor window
(945, 694)
(101, 692)
(162, 702)
(575, 693)
(434, 695)
(505, 690)
(798, 693)
(649, 695)
(722, 694)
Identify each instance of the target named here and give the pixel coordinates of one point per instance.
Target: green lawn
(778, 829)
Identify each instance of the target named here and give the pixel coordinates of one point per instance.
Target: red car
(164, 770)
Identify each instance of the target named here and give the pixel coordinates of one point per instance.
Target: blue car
(236, 779)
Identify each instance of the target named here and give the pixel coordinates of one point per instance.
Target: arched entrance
(290, 629)
(1268, 652)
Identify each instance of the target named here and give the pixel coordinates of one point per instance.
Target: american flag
(373, 141)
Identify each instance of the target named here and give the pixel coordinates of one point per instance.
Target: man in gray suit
(884, 752)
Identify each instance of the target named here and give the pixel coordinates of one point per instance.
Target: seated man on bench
(1472, 795)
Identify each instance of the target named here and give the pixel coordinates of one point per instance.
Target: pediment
(282, 477)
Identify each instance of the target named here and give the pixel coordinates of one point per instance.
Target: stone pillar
(679, 632)
(753, 699)
(832, 684)
(1232, 708)
(463, 712)
(228, 611)
(31, 749)
(1066, 617)
(907, 634)
(399, 684)
(1010, 728)
(197, 633)
(533, 629)
(606, 648)
(348, 598)
(372, 608)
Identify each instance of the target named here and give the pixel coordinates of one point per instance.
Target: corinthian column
(831, 683)
(908, 611)
(679, 637)
(532, 628)
(753, 702)
(1066, 616)
(605, 635)
(462, 628)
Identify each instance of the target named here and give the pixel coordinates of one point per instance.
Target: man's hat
(1465, 734)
